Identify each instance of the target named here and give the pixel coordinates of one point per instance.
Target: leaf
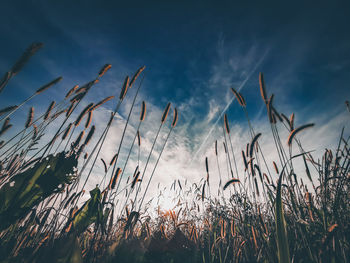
(90, 212)
(281, 232)
(307, 169)
(29, 188)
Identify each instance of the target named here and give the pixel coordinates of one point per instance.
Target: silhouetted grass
(267, 218)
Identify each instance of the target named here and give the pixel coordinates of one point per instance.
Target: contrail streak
(228, 104)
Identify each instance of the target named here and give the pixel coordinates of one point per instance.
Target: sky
(194, 52)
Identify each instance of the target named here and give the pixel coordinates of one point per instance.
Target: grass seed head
(30, 117)
(165, 113)
(104, 69)
(143, 111)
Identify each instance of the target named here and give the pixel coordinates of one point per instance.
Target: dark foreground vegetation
(272, 213)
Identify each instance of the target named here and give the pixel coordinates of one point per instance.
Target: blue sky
(183, 44)
(194, 51)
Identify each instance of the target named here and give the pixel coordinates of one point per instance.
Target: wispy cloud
(220, 76)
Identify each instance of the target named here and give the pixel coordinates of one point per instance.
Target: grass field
(263, 213)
